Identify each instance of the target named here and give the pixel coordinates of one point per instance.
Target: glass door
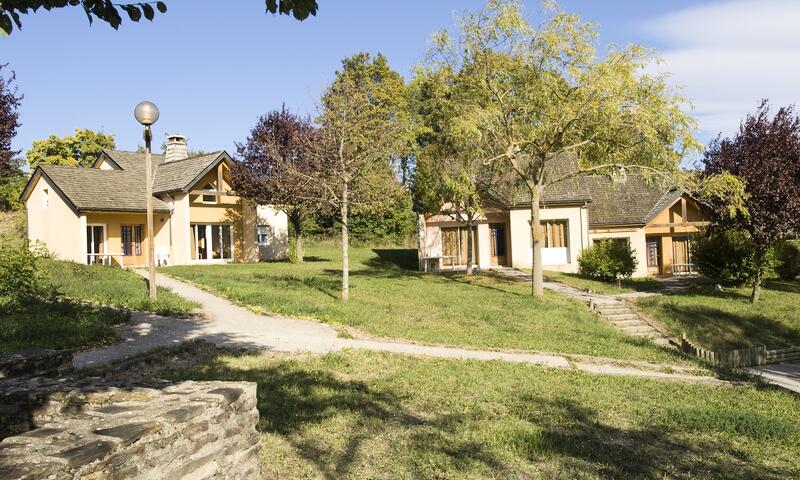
(95, 244)
(212, 242)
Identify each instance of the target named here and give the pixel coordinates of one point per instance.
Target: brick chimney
(176, 148)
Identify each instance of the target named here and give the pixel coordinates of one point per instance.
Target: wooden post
(219, 183)
(151, 248)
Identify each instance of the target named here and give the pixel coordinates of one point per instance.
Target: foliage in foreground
(726, 255)
(788, 267)
(370, 415)
(608, 260)
(391, 299)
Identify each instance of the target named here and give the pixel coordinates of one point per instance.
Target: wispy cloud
(728, 56)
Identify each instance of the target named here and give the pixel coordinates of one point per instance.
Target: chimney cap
(176, 137)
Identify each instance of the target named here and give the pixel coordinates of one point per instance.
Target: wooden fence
(743, 357)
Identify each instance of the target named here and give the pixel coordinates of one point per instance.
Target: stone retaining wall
(192, 430)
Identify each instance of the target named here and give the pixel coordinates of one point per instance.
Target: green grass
(370, 415)
(111, 286)
(728, 320)
(65, 324)
(390, 299)
(629, 285)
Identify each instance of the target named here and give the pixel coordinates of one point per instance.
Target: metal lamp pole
(146, 113)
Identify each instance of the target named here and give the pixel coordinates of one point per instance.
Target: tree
(522, 96)
(279, 146)
(765, 155)
(9, 122)
(111, 13)
(79, 150)
(364, 127)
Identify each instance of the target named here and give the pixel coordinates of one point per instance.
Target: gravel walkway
(225, 324)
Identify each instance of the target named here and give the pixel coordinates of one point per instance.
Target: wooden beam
(678, 224)
(219, 186)
(683, 210)
(213, 192)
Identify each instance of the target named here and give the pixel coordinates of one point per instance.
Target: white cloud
(728, 56)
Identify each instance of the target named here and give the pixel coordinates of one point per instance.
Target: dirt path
(225, 324)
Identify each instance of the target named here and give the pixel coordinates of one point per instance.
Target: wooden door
(654, 255)
(680, 255)
(497, 244)
(131, 239)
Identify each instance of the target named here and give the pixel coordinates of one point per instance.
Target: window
(454, 246)
(555, 233)
(212, 242)
(131, 240)
(45, 198)
(209, 198)
(263, 234)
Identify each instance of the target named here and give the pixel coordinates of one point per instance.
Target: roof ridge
(215, 153)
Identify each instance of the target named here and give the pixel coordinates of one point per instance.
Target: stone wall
(194, 430)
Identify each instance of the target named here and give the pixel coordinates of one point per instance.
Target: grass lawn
(67, 324)
(390, 299)
(371, 415)
(629, 285)
(727, 320)
(111, 286)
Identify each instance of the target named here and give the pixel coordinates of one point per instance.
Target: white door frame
(105, 239)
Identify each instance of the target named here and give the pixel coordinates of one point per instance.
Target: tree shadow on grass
(721, 329)
(653, 451)
(782, 286)
(351, 428)
(292, 402)
(322, 283)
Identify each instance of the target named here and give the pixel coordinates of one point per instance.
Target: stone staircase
(628, 321)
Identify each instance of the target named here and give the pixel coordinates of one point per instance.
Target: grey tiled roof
(178, 174)
(92, 189)
(634, 201)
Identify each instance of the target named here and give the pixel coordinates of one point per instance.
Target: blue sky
(212, 72)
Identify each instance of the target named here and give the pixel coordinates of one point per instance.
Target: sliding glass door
(212, 242)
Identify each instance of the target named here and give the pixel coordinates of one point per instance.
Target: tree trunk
(345, 247)
(537, 275)
(297, 224)
(470, 242)
(756, 294)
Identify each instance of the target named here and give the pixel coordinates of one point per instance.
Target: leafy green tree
(9, 123)
(364, 127)
(112, 13)
(522, 95)
(608, 260)
(79, 150)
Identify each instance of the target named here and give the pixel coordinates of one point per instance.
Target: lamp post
(146, 113)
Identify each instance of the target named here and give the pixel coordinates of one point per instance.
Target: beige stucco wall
(635, 235)
(278, 245)
(57, 226)
(577, 232)
(430, 235)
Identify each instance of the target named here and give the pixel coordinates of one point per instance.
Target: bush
(728, 256)
(608, 260)
(788, 260)
(20, 276)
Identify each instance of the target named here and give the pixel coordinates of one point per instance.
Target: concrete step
(612, 309)
(622, 316)
(627, 323)
(640, 329)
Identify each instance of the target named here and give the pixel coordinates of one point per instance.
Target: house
(657, 223)
(98, 214)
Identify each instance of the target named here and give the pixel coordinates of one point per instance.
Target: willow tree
(523, 95)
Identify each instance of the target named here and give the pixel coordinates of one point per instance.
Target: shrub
(788, 267)
(728, 256)
(20, 276)
(608, 260)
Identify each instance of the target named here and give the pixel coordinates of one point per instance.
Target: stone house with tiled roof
(98, 214)
(657, 222)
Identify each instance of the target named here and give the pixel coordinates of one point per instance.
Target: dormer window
(46, 198)
(209, 199)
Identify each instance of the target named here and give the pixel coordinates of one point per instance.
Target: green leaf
(133, 12)
(5, 24)
(149, 13)
(162, 7)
